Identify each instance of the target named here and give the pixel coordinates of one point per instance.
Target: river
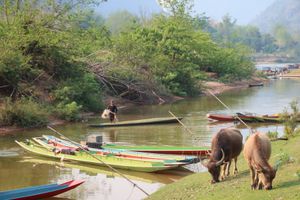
(21, 169)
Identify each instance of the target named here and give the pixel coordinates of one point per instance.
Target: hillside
(281, 12)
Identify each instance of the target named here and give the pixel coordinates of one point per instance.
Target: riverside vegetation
(59, 58)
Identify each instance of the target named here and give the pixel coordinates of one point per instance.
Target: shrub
(68, 111)
(85, 91)
(272, 135)
(23, 113)
(284, 159)
(290, 119)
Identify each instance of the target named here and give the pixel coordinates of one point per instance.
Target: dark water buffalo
(257, 152)
(226, 145)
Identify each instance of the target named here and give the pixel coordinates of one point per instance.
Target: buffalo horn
(220, 162)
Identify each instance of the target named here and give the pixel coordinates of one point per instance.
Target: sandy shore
(218, 87)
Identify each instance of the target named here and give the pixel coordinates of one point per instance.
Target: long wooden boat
(246, 118)
(256, 84)
(50, 141)
(39, 192)
(149, 121)
(195, 151)
(116, 162)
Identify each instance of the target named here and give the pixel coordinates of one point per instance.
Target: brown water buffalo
(226, 145)
(257, 151)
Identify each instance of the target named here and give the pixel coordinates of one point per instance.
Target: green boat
(195, 151)
(150, 121)
(50, 142)
(116, 162)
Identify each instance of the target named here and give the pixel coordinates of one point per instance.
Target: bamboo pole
(113, 169)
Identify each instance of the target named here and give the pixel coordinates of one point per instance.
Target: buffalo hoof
(260, 187)
(236, 172)
(213, 181)
(268, 188)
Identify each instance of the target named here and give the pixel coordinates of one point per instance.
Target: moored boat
(256, 84)
(195, 151)
(246, 118)
(102, 160)
(50, 141)
(150, 121)
(39, 192)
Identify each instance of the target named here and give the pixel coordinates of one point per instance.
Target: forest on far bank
(59, 58)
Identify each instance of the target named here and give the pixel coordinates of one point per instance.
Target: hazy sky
(242, 10)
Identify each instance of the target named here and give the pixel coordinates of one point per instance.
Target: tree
(121, 21)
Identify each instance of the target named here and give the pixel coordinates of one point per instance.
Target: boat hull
(151, 121)
(194, 151)
(116, 162)
(40, 192)
(54, 142)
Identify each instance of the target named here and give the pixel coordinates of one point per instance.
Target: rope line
(113, 169)
(250, 129)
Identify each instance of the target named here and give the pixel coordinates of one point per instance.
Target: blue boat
(39, 192)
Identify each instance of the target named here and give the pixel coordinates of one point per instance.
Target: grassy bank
(286, 185)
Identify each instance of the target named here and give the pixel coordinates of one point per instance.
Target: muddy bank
(218, 87)
(214, 87)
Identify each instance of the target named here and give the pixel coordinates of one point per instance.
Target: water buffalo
(226, 145)
(257, 151)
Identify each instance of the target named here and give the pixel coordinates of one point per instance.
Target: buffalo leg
(235, 171)
(228, 168)
(260, 185)
(253, 178)
(223, 169)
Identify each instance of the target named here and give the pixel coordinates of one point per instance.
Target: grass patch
(286, 185)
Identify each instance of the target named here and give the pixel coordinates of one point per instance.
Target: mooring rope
(113, 169)
(250, 129)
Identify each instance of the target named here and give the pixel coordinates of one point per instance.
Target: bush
(272, 135)
(85, 91)
(290, 119)
(23, 113)
(284, 159)
(68, 111)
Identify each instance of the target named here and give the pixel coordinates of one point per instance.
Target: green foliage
(24, 113)
(272, 135)
(121, 21)
(233, 64)
(283, 159)
(290, 119)
(68, 111)
(84, 91)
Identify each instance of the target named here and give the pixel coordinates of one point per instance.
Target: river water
(21, 169)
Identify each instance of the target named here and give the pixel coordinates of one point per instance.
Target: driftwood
(132, 90)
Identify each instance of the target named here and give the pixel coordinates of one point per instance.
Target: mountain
(285, 13)
(136, 7)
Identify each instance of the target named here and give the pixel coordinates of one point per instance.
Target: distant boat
(246, 117)
(150, 121)
(39, 192)
(256, 84)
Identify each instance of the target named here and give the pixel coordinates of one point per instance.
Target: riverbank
(285, 185)
(219, 87)
(212, 86)
(292, 74)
